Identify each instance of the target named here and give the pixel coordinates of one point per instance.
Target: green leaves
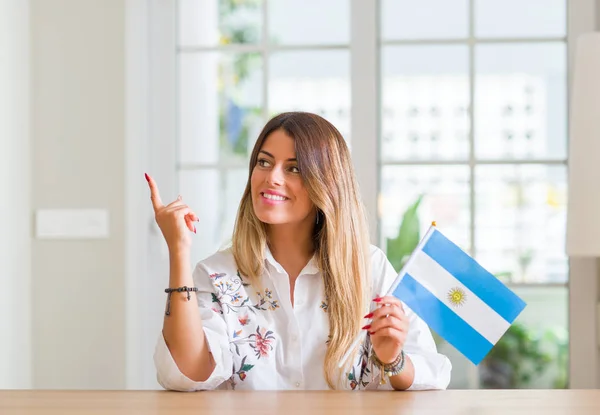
(522, 357)
(246, 367)
(409, 235)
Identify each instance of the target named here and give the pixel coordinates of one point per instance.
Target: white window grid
(365, 46)
(471, 42)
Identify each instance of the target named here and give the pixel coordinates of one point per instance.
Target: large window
(472, 120)
(240, 62)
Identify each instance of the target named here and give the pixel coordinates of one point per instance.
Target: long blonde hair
(341, 237)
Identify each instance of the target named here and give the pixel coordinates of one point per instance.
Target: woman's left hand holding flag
(388, 328)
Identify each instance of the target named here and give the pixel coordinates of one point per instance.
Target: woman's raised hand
(175, 220)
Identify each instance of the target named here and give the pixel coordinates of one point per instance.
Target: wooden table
(547, 402)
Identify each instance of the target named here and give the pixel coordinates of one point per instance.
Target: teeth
(273, 197)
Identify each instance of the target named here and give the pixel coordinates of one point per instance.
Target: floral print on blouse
(259, 341)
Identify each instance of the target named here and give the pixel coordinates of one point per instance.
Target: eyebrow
(272, 156)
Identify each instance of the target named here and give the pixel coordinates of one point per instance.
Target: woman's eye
(294, 169)
(263, 163)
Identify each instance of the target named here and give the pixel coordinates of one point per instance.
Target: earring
(318, 217)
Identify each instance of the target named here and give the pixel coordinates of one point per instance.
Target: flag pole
(361, 336)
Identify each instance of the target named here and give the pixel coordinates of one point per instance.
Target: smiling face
(278, 192)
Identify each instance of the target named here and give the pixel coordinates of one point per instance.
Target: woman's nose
(275, 177)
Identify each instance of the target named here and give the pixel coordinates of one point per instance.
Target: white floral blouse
(260, 341)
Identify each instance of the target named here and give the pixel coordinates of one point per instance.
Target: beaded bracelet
(178, 290)
(389, 369)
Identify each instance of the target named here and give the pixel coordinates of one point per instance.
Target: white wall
(15, 350)
(62, 145)
(78, 161)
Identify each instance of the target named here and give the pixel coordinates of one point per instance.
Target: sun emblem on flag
(457, 296)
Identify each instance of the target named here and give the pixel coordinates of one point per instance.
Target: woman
(283, 305)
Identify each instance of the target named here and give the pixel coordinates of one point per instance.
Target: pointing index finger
(154, 194)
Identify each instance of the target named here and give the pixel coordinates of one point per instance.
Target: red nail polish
(378, 299)
(194, 229)
(367, 327)
(147, 177)
(368, 315)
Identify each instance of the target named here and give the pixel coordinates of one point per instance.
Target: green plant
(521, 356)
(237, 28)
(398, 249)
(559, 338)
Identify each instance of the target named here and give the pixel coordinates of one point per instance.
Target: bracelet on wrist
(169, 291)
(389, 369)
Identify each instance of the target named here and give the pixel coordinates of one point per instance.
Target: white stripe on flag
(473, 311)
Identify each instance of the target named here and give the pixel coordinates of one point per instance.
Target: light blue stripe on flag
(442, 320)
(473, 276)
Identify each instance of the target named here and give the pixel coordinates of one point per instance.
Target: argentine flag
(455, 296)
